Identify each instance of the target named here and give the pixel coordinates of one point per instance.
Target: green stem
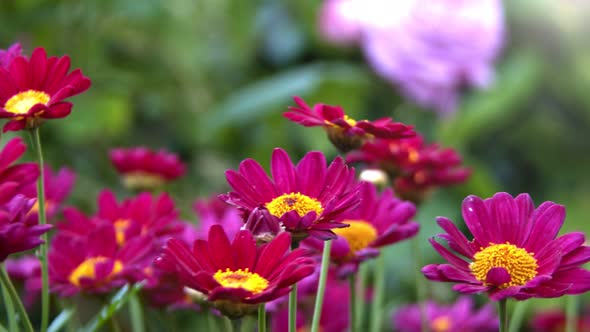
(236, 325)
(503, 315)
(42, 221)
(261, 318)
(376, 307)
(518, 314)
(319, 300)
(15, 299)
(293, 299)
(421, 284)
(136, 311)
(2, 328)
(10, 314)
(571, 313)
(353, 299)
(360, 296)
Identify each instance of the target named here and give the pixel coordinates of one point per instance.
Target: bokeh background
(210, 80)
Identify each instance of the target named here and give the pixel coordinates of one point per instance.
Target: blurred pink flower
(430, 49)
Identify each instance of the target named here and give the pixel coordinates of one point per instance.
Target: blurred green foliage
(210, 79)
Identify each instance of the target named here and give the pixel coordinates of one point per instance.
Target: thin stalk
(261, 318)
(363, 277)
(503, 315)
(319, 300)
(293, 299)
(571, 313)
(421, 284)
(10, 313)
(236, 325)
(518, 316)
(15, 299)
(136, 311)
(42, 221)
(376, 307)
(2, 328)
(353, 300)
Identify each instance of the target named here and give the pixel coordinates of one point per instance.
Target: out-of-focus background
(210, 80)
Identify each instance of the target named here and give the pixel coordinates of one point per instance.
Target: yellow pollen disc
(120, 228)
(358, 235)
(441, 324)
(520, 264)
(22, 102)
(86, 269)
(244, 279)
(413, 155)
(350, 121)
(142, 180)
(298, 202)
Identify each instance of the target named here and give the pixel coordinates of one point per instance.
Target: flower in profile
(214, 211)
(17, 233)
(460, 316)
(378, 221)
(145, 169)
(14, 178)
(237, 276)
(57, 188)
(26, 269)
(416, 167)
(430, 49)
(344, 132)
(555, 321)
(6, 56)
(140, 215)
(307, 198)
(33, 90)
(335, 308)
(95, 262)
(515, 251)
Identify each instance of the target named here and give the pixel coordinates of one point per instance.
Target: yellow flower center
(358, 235)
(22, 102)
(350, 121)
(142, 180)
(244, 279)
(441, 324)
(86, 269)
(520, 264)
(120, 228)
(298, 202)
(413, 155)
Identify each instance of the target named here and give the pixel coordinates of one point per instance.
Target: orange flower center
(519, 263)
(244, 279)
(358, 235)
(298, 202)
(86, 269)
(120, 228)
(22, 102)
(441, 324)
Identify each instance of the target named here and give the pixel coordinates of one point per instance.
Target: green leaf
(116, 303)
(61, 320)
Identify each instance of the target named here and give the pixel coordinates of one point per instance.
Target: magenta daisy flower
(15, 178)
(95, 262)
(214, 211)
(344, 132)
(26, 269)
(32, 90)
(515, 251)
(379, 220)
(141, 215)
(460, 316)
(57, 188)
(237, 276)
(555, 321)
(16, 232)
(6, 56)
(145, 169)
(307, 198)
